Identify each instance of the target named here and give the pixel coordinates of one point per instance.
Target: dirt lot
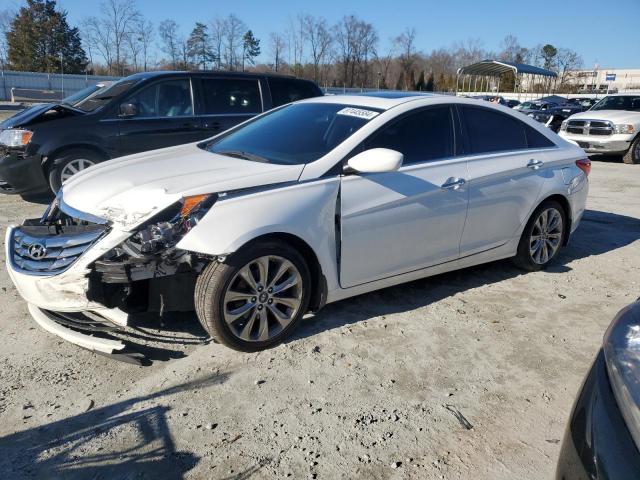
(367, 389)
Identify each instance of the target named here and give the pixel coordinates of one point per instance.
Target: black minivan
(141, 112)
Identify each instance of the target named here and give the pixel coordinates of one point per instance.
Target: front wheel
(542, 237)
(255, 299)
(68, 164)
(633, 154)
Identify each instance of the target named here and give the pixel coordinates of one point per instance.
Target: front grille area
(37, 250)
(590, 127)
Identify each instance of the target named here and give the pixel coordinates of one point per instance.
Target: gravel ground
(470, 374)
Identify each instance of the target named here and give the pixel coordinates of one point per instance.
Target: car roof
(378, 100)
(170, 73)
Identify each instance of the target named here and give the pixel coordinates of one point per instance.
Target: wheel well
(318, 280)
(562, 200)
(53, 156)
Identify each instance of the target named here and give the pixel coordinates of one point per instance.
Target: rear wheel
(633, 154)
(256, 298)
(542, 237)
(68, 164)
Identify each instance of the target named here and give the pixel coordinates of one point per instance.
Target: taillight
(584, 165)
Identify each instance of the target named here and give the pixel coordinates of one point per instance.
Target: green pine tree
(429, 86)
(250, 48)
(198, 46)
(41, 40)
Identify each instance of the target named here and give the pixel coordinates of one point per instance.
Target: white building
(602, 79)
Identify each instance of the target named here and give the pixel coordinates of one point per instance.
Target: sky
(603, 33)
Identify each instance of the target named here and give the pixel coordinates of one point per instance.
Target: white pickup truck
(610, 127)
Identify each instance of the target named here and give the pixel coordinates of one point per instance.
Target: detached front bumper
(65, 291)
(21, 174)
(612, 144)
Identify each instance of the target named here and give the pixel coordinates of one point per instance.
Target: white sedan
(307, 204)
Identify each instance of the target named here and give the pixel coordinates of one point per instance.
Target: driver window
(164, 99)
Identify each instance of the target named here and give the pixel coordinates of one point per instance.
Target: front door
(397, 222)
(164, 117)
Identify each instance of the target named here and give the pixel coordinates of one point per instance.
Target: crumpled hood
(129, 190)
(23, 117)
(616, 116)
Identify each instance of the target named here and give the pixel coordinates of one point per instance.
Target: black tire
(67, 157)
(524, 259)
(633, 154)
(215, 280)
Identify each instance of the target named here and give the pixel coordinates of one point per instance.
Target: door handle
(535, 164)
(453, 183)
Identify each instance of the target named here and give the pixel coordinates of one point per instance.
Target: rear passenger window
(421, 136)
(285, 90)
(490, 131)
(230, 95)
(536, 139)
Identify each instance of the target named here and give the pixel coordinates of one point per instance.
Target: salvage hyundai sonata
(310, 203)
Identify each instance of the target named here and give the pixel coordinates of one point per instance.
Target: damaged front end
(83, 277)
(147, 272)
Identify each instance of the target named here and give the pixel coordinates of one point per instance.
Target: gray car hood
(129, 190)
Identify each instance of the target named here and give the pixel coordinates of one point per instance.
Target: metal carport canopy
(495, 68)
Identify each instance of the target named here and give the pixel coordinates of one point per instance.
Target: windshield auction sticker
(358, 112)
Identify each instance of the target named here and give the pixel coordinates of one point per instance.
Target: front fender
(306, 210)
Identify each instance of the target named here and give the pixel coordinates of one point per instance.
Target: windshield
(622, 102)
(296, 134)
(529, 106)
(81, 95)
(102, 98)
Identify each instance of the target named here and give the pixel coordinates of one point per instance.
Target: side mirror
(376, 160)
(128, 109)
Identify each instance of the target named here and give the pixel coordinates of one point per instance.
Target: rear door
(165, 117)
(506, 174)
(223, 102)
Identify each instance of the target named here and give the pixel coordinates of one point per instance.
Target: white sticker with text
(358, 112)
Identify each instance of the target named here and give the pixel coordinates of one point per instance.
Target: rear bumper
(22, 174)
(597, 444)
(613, 144)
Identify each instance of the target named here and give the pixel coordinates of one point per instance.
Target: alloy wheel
(73, 167)
(546, 236)
(262, 298)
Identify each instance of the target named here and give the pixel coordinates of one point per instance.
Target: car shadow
(72, 448)
(599, 232)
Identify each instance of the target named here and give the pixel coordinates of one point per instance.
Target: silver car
(307, 204)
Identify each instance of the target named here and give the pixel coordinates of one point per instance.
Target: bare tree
(171, 41)
(383, 63)
(406, 46)
(234, 30)
(6, 16)
(109, 34)
(318, 35)
(218, 27)
(144, 31)
(276, 46)
(568, 62)
(296, 39)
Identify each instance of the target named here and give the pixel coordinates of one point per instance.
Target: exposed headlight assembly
(168, 227)
(14, 137)
(622, 355)
(625, 128)
(564, 124)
